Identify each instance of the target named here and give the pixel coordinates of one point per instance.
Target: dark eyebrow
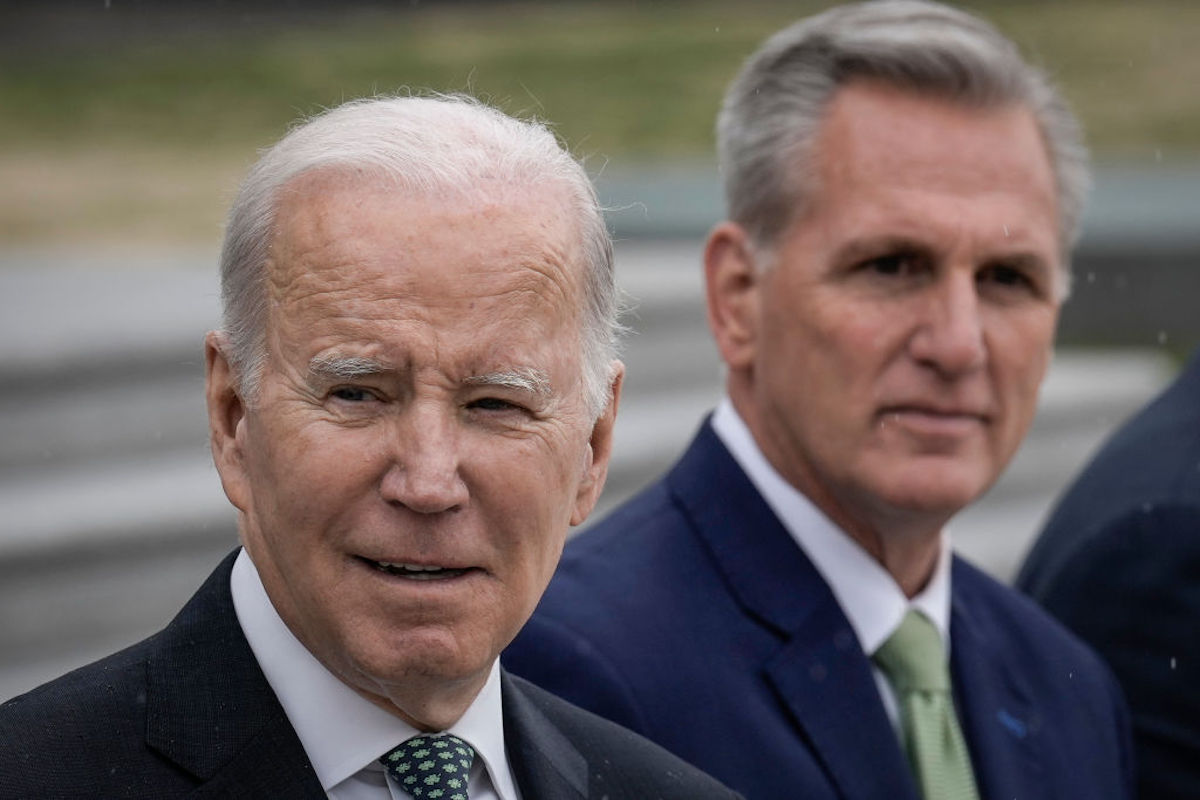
(873, 247)
(1023, 260)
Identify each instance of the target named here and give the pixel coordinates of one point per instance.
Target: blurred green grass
(619, 78)
(616, 78)
(188, 93)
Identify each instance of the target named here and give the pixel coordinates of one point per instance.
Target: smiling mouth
(416, 572)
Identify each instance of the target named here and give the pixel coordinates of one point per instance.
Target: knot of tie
(913, 657)
(431, 767)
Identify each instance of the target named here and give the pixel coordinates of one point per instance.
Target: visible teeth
(417, 572)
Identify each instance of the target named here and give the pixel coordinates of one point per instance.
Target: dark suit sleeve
(551, 655)
(1132, 590)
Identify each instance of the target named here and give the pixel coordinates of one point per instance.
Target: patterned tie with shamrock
(432, 767)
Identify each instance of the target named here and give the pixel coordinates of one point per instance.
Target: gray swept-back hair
(423, 144)
(773, 109)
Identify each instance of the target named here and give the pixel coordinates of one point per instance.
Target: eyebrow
(874, 246)
(534, 381)
(345, 367)
(525, 379)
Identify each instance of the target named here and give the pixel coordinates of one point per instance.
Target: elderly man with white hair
(410, 402)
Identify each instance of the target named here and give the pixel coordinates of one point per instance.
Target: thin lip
(949, 412)
(415, 562)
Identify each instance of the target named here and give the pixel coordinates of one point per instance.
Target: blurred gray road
(112, 512)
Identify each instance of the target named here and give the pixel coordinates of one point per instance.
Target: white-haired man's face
(419, 443)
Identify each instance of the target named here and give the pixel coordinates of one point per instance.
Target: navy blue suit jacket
(691, 616)
(189, 713)
(1119, 563)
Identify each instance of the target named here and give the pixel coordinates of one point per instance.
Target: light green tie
(915, 662)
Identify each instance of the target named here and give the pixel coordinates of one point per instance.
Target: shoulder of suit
(93, 687)
(610, 748)
(1022, 629)
(77, 721)
(1141, 542)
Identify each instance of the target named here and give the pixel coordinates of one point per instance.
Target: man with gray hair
(410, 401)
(783, 608)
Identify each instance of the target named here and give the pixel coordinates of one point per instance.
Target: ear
(599, 451)
(732, 284)
(226, 419)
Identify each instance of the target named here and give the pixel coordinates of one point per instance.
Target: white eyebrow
(345, 367)
(529, 380)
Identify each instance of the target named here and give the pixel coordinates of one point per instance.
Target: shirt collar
(341, 731)
(871, 599)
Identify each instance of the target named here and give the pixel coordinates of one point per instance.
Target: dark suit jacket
(691, 616)
(189, 712)
(1119, 562)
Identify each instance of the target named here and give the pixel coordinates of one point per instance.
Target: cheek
(301, 472)
(850, 332)
(848, 363)
(1019, 363)
(541, 557)
(1023, 353)
(528, 489)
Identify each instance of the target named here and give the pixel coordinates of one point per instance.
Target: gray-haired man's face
(897, 346)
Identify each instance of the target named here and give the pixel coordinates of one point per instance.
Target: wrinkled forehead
(370, 236)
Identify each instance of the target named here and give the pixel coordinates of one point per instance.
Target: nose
(425, 474)
(949, 337)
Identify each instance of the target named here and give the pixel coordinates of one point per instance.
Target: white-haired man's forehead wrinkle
(297, 277)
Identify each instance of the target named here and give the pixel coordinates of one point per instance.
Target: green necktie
(915, 662)
(432, 767)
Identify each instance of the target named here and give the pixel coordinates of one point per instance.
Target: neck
(428, 706)
(909, 557)
(905, 542)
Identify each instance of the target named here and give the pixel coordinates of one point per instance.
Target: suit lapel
(820, 673)
(543, 760)
(999, 721)
(211, 711)
(825, 681)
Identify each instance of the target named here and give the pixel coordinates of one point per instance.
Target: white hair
(425, 144)
(773, 110)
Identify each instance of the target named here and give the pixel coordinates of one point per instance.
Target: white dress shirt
(343, 733)
(871, 599)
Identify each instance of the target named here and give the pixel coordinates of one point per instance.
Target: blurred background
(125, 127)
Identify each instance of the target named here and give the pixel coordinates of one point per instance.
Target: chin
(398, 659)
(942, 493)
